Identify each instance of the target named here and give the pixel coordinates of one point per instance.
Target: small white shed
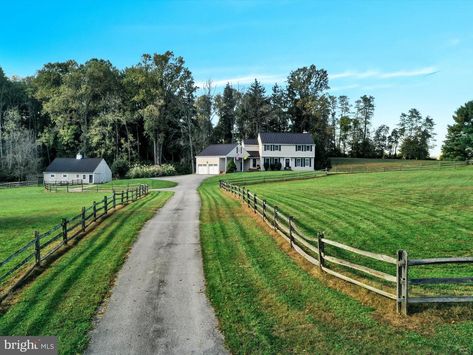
(78, 170)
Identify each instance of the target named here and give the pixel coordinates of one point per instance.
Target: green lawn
(26, 209)
(267, 303)
(152, 183)
(64, 299)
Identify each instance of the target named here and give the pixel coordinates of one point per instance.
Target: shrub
(266, 165)
(120, 167)
(277, 166)
(231, 166)
(146, 171)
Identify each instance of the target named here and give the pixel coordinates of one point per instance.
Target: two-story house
(292, 150)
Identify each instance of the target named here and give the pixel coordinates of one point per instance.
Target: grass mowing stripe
(301, 314)
(64, 299)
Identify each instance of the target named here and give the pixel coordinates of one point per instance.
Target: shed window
(83, 177)
(52, 175)
(64, 175)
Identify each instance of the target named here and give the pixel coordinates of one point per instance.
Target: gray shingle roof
(287, 138)
(72, 165)
(252, 141)
(216, 150)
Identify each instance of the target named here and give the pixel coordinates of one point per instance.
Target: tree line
(153, 112)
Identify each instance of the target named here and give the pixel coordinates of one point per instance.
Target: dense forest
(154, 113)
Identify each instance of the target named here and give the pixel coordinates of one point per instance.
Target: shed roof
(287, 138)
(217, 150)
(72, 165)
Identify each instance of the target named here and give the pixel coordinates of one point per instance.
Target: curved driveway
(158, 304)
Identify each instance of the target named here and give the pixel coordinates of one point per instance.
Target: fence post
(291, 236)
(105, 204)
(321, 248)
(64, 230)
(114, 199)
(275, 226)
(254, 203)
(127, 196)
(83, 219)
(37, 248)
(248, 197)
(121, 198)
(402, 284)
(95, 211)
(264, 210)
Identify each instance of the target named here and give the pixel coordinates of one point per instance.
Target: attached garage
(212, 160)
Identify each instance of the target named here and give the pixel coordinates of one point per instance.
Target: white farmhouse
(293, 151)
(78, 170)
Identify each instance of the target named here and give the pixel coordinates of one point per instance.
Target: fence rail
(394, 166)
(314, 250)
(34, 253)
(9, 185)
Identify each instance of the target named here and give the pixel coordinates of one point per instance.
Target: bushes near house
(120, 168)
(231, 166)
(147, 171)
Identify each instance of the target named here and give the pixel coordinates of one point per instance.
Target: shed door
(91, 178)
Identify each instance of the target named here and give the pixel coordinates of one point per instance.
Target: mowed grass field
(64, 299)
(427, 213)
(26, 209)
(269, 301)
(152, 183)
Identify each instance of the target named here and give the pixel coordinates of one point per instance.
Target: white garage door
(202, 169)
(213, 169)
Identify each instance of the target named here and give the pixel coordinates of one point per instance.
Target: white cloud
(269, 79)
(376, 74)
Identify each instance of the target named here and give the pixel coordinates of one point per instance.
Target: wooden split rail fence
(314, 250)
(33, 254)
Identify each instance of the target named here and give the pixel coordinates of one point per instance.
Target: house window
(83, 177)
(52, 175)
(64, 175)
(266, 147)
(77, 176)
(298, 148)
(307, 162)
(298, 161)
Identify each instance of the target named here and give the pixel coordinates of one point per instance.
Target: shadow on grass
(77, 265)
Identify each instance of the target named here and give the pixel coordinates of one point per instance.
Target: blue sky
(405, 53)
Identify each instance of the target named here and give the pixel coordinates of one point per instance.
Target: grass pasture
(26, 209)
(64, 299)
(268, 301)
(152, 183)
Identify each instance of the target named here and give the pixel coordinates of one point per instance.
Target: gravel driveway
(158, 304)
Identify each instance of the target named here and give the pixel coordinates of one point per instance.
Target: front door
(288, 163)
(91, 178)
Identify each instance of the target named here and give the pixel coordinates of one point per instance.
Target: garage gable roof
(287, 138)
(72, 165)
(216, 150)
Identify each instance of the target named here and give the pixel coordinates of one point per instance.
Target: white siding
(102, 173)
(206, 165)
(288, 151)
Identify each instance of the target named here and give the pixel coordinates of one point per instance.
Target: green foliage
(231, 166)
(145, 171)
(120, 167)
(458, 144)
(417, 134)
(64, 299)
